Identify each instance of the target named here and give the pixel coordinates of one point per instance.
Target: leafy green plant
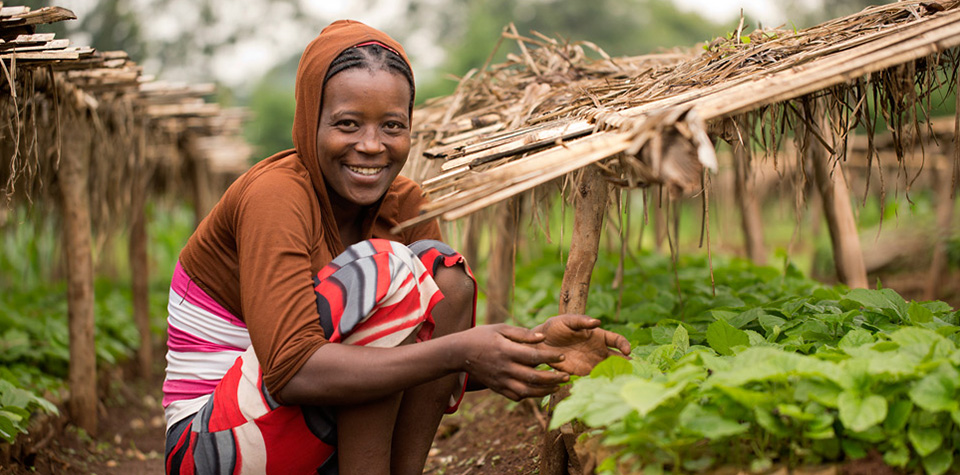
(34, 336)
(16, 406)
(768, 368)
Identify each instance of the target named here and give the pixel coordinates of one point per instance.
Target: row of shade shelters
(87, 139)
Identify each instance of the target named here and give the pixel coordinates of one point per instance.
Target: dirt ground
(488, 435)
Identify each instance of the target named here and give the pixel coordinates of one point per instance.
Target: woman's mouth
(365, 171)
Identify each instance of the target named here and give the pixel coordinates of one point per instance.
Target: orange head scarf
(316, 59)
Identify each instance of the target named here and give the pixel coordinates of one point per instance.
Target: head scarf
(314, 63)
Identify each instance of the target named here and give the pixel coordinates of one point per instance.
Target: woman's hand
(504, 358)
(582, 342)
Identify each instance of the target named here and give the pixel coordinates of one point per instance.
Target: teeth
(365, 170)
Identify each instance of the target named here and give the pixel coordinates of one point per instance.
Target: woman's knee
(455, 311)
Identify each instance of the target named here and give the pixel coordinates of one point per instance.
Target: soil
(488, 435)
(130, 439)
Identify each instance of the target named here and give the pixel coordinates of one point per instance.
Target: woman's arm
(500, 357)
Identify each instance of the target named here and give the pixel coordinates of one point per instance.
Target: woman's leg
(365, 432)
(423, 406)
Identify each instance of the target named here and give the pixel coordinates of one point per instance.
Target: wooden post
(203, 199)
(847, 255)
(945, 206)
(77, 229)
(470, 240)
(589, 211)
(503, 261)
(139, 265)
(747, 199)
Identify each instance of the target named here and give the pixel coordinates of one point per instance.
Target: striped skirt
(222, 419)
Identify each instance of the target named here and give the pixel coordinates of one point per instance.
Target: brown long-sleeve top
(257, 251)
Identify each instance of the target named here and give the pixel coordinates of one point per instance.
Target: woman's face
(364, 134)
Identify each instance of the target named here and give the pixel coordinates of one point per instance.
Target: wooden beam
(77, 229)
(503, 261)
(745, 191)
(945, 207)
(837, 208)
(139, 261)
(589, 210)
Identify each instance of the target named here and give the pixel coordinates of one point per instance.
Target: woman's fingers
(618, 341)
(578, 322)
(518, 334)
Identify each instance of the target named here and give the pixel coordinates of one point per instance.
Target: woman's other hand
(582, 341)
(504, 358)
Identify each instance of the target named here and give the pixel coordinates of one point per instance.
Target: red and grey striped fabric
(377, 293)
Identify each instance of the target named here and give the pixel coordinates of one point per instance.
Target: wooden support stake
(203, 199)
(847, 255)
(945, 207)
(590, 208)
(77, 230)
(502, 261)
(748, 201)
(139, 265)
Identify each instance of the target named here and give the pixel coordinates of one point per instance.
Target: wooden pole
(746, 195)
(139, 265)
(503, 261)
(77, 229)
(590, 208)
(847, 255)
(945, 207)
(471, 239)
(203, 199)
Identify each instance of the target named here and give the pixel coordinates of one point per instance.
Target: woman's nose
(370, 142)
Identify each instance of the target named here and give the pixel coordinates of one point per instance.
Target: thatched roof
(550, 110)
(55, 97)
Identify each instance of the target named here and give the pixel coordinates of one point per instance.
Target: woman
(294, 310)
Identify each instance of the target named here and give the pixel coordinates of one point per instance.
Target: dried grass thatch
(132, 131)
(551, 110)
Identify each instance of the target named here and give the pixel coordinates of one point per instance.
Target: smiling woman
(363, 140)
(304, 336)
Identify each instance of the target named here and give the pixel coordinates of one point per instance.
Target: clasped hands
(505, 357)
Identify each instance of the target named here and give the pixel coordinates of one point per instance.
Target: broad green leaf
(823, 392)
(897, 457)
(770, 422)
(663, 334)
(925, 439)
(860, 413)
(938, 462)
(884, 299)
(596, 402)
(612, 367)
(645, 396)
(746, 397)
(855, 338)
(741, 320)
(680, 342)
(897, 416)
(937, 391)
(769, 322)
(709, 423)
(873, 435)
(918, 314)
(756, 339)
(853, 449)
(722, 337)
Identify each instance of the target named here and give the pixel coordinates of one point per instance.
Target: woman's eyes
(392, 125)
(347, 123)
